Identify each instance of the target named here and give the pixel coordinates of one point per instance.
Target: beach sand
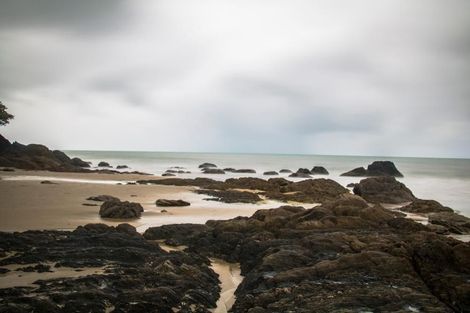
(26, 204)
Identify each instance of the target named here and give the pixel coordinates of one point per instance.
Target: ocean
(444, 180)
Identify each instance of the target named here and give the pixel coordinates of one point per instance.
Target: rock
(285, 171)
(177, 232)
(171, 171)
(245, 170)
(168, 174)
(79, 162)
(7, 169)
(90, 204)
(453, 222)
(351, 185)
(127, 273)
(119, 167)
(207, 165)
(384, 189)
(300, 175)
(104, 164)
(163, 211)
(230, 196)
(48, 182)
(166, 202)
(212, 171)
(425, 206)
(229, 169)
(270, 173)
(303, 171)
(120, 209)
(319, 170)
(377, 168)
(103, 198)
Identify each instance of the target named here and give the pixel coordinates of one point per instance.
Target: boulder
(284, 170)
(104, 164)
(119, 167)
(383, 189)
(453, 222)
(229, 169)
(80, 162)
(207, 165)
(120, 209)
(303, 171)
(270, 173)
(425, 206)
(167, 202)
(300, 175)
(168, 174)
(319, 170)
(376, 168)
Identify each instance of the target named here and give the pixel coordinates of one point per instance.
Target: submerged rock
(213, 171)
(271, 173)
(167, 202)
(300, 175)
(119, 167)
(120, 209)
(384, 189)
(284, 170)
(245, 170)
(377, 168)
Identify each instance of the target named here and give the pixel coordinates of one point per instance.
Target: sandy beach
(26, 204)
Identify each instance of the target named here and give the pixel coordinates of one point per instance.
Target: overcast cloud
(370, 77)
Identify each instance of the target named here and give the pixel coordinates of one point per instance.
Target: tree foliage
(5, 117)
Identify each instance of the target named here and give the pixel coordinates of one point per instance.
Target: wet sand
(26, 204)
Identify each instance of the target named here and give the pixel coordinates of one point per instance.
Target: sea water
(444, 180)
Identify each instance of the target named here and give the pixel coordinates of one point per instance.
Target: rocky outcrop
(425, 206)
(79, 162)
(230, 196)
(120, 209)
(167, 202)
(309, 190)
(319, 170)
(377, 168)
(343, 256)
(453, 222)
(130, 273)
(385, 189)
(104, 164)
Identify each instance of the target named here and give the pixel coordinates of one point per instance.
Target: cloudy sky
(365, 77)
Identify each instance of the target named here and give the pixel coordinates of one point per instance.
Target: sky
(365, 77)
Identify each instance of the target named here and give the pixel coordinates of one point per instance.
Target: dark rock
(178, 232)
(163, 211)
(453, 222)
(7, 169)
(171, 171)
(48, 182)
(138, 277)
(230, 196)
(300, 175)
(119, 167)
(207, 165)
(213, 171)
(120, 209)
(104, 164)
(303, 171)
(351, 185)
(285, 171)
(377, 168)
(102, 198)
(79, 162)
(271, 173)
(245, 170)
(425, 206)
(229, 169)
(90, 204)
(166, 202)
(168, 174)
(385, 189)
(319, 170)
